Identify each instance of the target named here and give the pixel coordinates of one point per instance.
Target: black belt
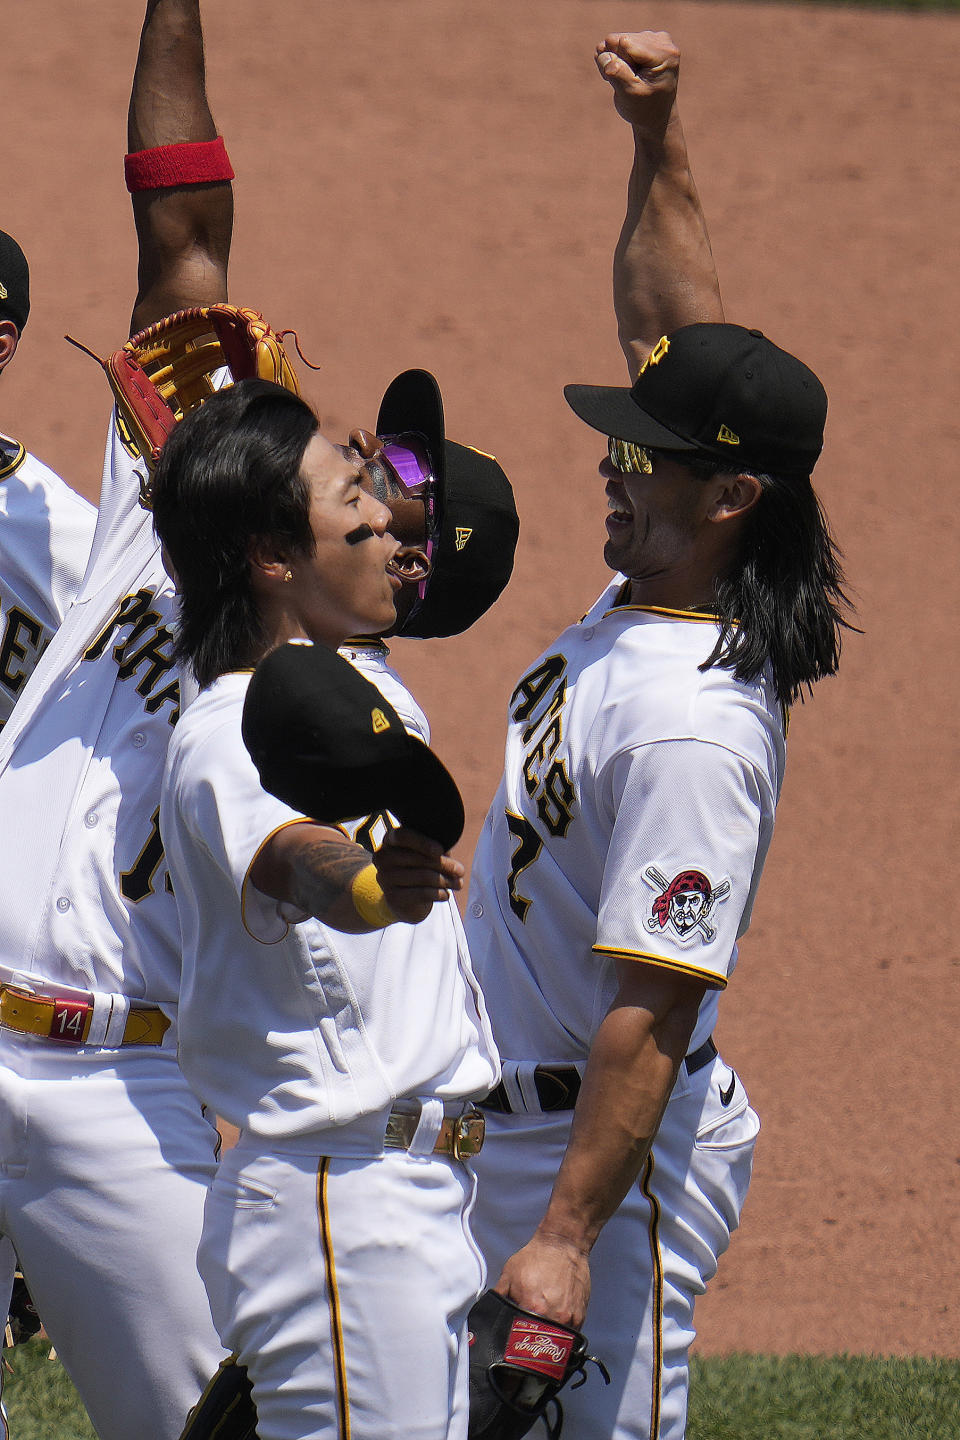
(558, 1086)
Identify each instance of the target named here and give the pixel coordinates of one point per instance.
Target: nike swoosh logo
(727, 1095)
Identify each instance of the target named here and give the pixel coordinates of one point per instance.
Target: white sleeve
(684, 859)
(226, 810)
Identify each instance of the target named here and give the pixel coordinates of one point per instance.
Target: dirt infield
(439, 184)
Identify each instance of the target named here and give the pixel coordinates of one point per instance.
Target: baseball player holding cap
(620, 860)
(328, 1008)
(45, 527)
(105, 1154)
(455, 521)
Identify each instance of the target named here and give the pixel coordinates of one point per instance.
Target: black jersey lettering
(528, 848)
(22, 642)
(556, 800)
(534, 688)
(138, 882)
(150, 644)
(544, 750)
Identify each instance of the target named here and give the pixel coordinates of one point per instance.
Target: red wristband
(196, 162)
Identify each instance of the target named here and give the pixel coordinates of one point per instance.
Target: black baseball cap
(478, 522)
(14, 281)
(716, 390)
(326, 743)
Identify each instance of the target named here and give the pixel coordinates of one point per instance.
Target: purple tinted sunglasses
(409, 460)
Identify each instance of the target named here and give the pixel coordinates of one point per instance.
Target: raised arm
(663, 270)
(183, 229)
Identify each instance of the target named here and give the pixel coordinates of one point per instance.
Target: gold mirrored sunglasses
(629, 458)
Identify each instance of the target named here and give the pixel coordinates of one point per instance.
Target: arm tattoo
(322, 874)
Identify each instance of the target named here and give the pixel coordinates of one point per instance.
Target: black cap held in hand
(14, 281)
(717, 390)
(326, 743)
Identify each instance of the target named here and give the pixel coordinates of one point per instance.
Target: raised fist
(643, 68)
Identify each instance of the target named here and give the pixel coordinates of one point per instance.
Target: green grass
(739, 1397)
(40, 1402)
(846, 1397)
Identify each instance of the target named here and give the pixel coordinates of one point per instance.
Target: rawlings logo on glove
(518, 1363)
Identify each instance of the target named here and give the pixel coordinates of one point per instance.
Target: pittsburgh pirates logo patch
(685, 904)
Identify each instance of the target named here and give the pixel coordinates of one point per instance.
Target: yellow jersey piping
(700, 616)
(656, 1315)
(714, 981)
(11, 465)
(333, 1303)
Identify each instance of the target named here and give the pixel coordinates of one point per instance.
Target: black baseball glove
(518, 1363)
(225, 1410)
(23, 1322)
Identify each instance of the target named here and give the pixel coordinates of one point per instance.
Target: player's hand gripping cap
(475, 525)
(326, 743)
(518, 1362)
(172, 367)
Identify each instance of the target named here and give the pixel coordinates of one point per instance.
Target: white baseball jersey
(286, 1027)
(340, 1271)
(45, 534)
(103, 1143)
(90, 735)
(633, 819)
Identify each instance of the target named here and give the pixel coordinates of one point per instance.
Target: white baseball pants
(653, 1258)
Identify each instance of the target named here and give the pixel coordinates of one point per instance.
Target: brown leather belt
(67, 1022)
(558, 1086)
(460, 1135)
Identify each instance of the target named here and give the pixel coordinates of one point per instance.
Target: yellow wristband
(368, 898)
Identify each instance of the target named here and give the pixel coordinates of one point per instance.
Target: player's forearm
(322, 879)
(168, 103)
(628, 1081)
(630, 1074)
(183, 231)
(326, 875)
(663, 273)
(314, 871)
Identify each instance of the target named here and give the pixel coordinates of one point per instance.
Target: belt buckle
(468, 1132)
(396, 1135)
(70, 1021)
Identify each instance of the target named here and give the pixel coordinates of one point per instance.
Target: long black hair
(784, 600)
(230, 473)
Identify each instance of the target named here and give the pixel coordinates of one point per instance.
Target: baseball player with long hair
(620, 860)
(105, 1154)
(454, 519)
(336, 1246)
(45, 527)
